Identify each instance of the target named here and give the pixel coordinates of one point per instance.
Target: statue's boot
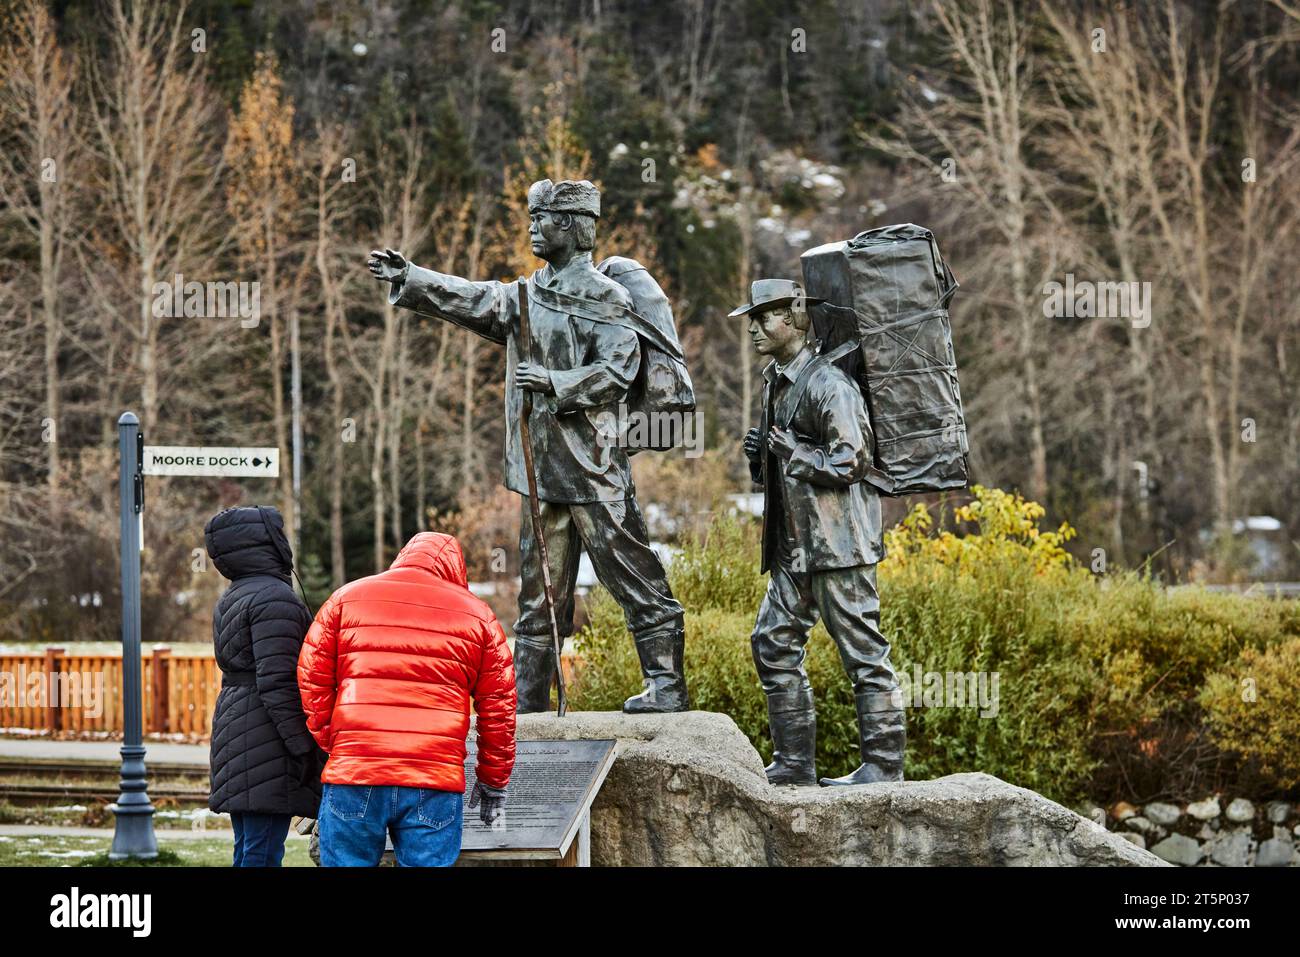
(534, 674)
(661, 654)
(882, 738)
(793, 721)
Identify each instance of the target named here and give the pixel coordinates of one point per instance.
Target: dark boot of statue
(534, 674)
(794, 739)
(661, 669)
(882, 738)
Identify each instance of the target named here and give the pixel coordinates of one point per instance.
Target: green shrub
(1253, 710)
(1098, 678)
(721, 571)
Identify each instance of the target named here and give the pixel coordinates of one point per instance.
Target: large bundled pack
(662, 395)
(888, 290)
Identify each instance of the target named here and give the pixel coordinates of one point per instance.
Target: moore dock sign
(226, 462)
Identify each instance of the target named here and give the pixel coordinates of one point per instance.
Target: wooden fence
(44, 691)
(180, 692)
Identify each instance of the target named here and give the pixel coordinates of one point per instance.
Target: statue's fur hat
(566, 196)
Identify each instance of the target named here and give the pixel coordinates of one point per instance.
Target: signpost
(133, 834)
(133, 831)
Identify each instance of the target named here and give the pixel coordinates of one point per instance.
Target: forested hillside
(144, 145)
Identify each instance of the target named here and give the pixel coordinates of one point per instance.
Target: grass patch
(165, 858)
(52, 849)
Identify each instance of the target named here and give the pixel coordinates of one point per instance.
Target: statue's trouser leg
(534, 651)
(850, 606)
(616, 540)
(785, 619)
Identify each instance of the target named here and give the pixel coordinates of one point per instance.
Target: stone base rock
(688, 789)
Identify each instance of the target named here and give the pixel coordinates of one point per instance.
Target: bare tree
(1098, 110)
(156, 140)
(332, 210)
(686, 71)
(259, 155)
(405, 219)
(973, 139)
(45, 130)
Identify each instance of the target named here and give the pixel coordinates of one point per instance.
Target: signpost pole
(133, 834)
(295, 387)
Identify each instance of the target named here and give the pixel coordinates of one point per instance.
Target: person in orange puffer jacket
(386, 673)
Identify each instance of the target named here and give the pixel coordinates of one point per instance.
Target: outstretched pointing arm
(484, 308)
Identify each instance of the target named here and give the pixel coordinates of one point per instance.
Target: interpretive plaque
(549, 800)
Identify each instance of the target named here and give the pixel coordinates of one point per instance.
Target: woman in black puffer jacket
(265, 765)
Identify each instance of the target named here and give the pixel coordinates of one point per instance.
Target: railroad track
(39, 782)
(40, 794)
(100, 769)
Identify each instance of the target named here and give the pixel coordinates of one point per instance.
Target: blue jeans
(259, 839)
(356, 818)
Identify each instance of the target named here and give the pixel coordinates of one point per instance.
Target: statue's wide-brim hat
(567, 196)
(765, 294)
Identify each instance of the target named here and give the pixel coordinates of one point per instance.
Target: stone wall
(1214, 831)
(689, 789)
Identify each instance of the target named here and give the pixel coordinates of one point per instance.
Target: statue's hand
(534, 378)
(782, 442)
(753, 445)
(388, 266)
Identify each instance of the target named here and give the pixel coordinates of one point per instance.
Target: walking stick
(534, 505)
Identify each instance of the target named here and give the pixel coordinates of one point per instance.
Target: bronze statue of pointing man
(586, 346)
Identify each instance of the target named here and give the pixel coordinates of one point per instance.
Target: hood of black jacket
(249, 540)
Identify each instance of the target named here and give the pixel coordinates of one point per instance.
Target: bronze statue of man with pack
(860, 399)
(822, 538)
(586, 346)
